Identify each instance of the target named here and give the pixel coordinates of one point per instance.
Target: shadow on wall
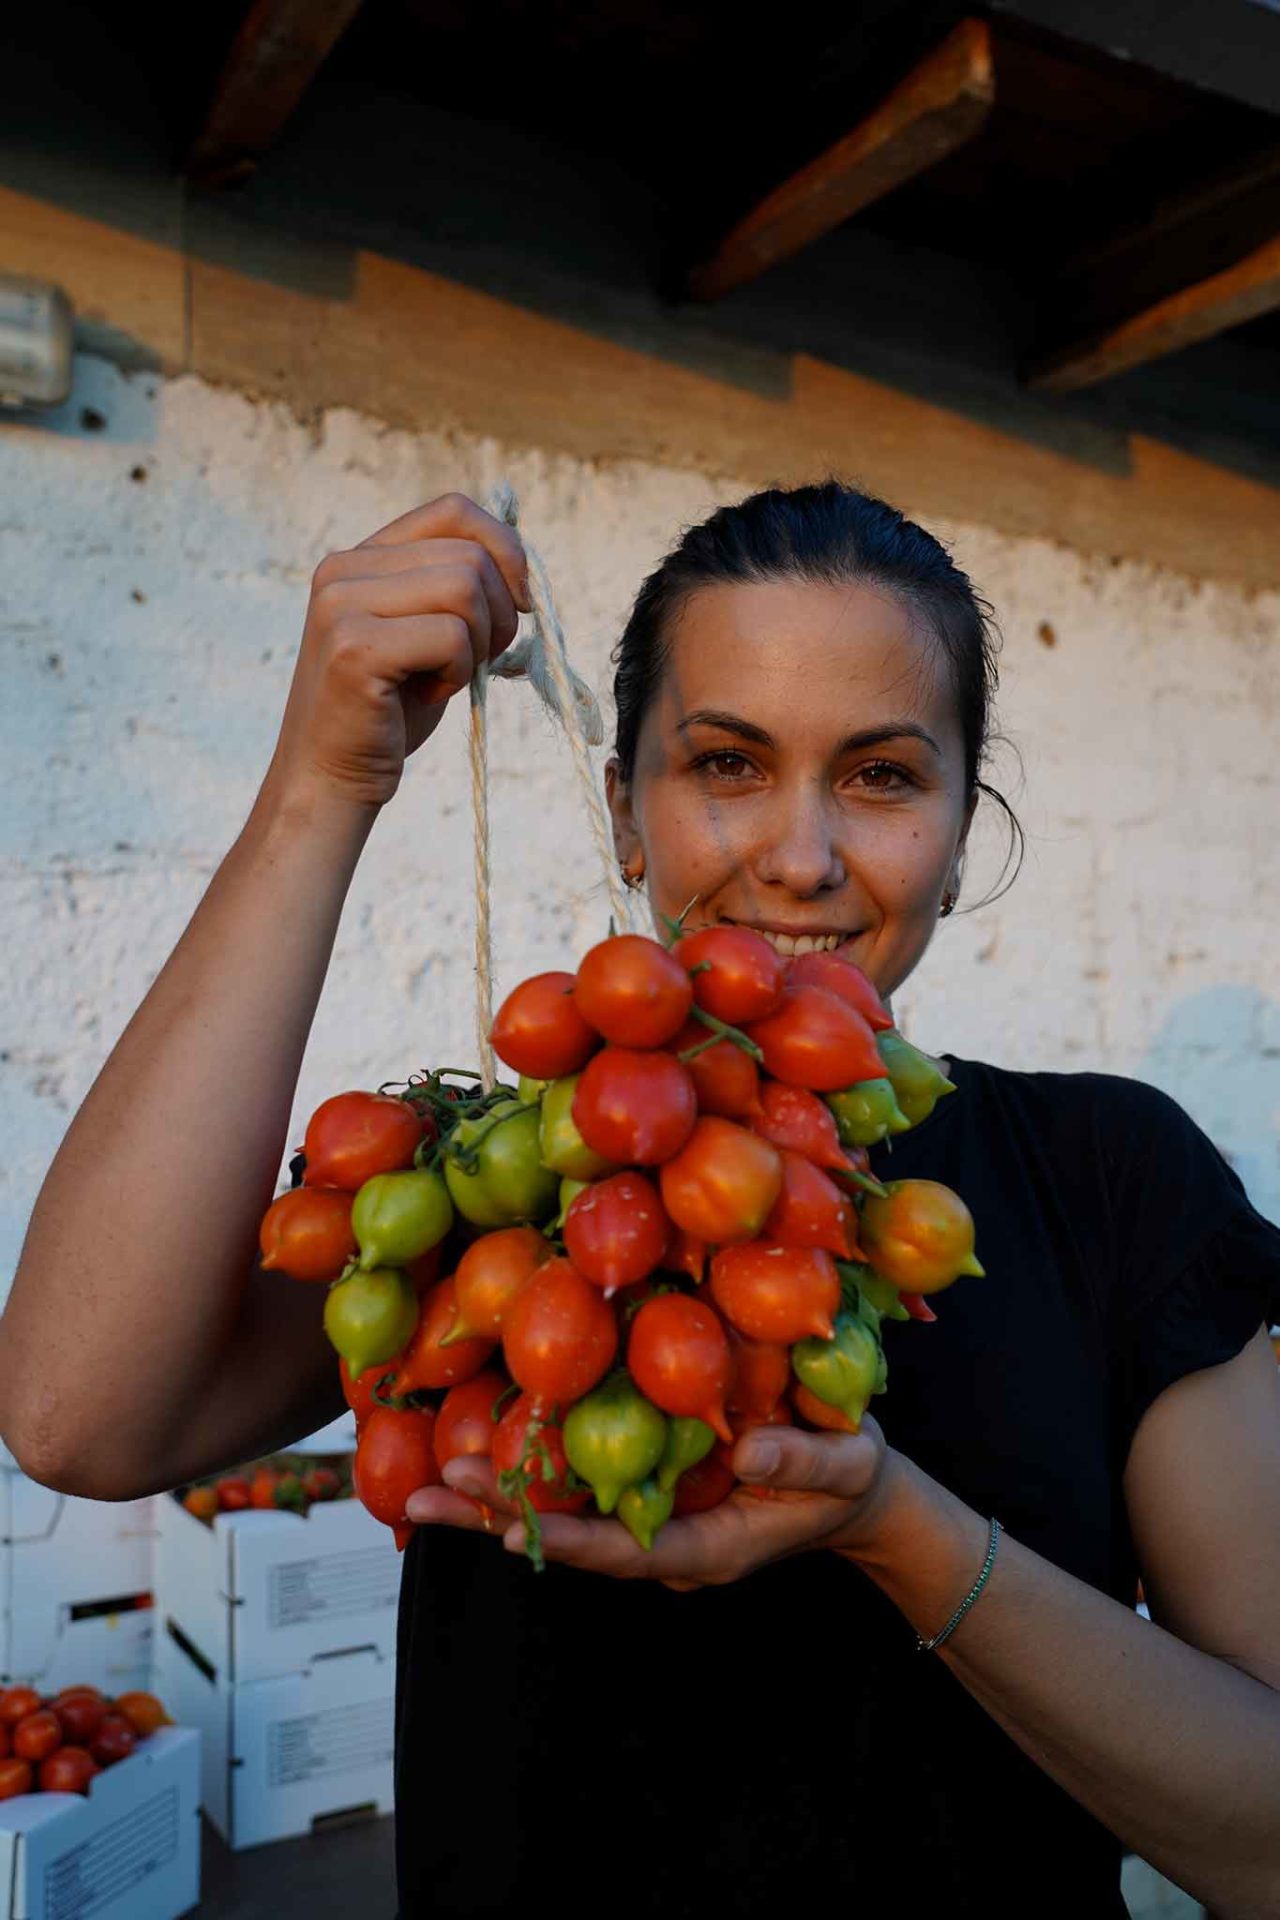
(1218, 1054)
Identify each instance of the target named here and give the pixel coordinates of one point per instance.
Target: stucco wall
(153, 577)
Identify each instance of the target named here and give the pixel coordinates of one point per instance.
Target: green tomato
(878, 1298)
(843, 1370)
(613, 1438)
(645, 1509)
(509, 1183)
(688, 1441)
(371, 1316)
(867, 1112)
(563, 1147)
(397, 1216)
(917, 1082)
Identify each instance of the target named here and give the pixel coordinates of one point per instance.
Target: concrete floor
(330, 1875)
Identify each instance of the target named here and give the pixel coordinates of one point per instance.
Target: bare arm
(141, 1344)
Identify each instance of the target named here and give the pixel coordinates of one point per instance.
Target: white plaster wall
(148, 628)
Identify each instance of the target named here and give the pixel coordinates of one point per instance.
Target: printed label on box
(116, 1861)
(340, 1740)
(334, 1585)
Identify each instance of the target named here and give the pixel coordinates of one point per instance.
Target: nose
(801, 853)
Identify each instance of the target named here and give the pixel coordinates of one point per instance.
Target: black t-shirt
(599, 1745)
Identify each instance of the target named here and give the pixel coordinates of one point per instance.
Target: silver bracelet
(927, 1646)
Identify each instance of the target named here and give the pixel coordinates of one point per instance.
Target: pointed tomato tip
(403, 1531)
(717, 1420)
(972, 1265)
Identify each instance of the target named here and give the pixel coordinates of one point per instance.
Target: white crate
(71, 1574)
(128, 1850)
(281, 1756)
(265, 1592)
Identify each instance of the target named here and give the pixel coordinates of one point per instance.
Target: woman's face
(801, 771)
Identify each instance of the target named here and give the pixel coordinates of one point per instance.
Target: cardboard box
(270, 1592)
(128, 1850)
(75, 1586)
(284, 1755)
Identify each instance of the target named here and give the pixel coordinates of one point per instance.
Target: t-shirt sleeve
(1197, 1266)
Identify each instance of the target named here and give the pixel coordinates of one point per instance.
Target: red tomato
(761, 1374)
(15, 1778)
(834, 974)
(632, 991)
(79, 1717)
(811, 1211)
(725, 1077)
(679, 1358)
(116, 1740)
(37, 1736)
(490, 1274)
(559, 1336)
(722, 1183)
(685, 1253)
(202, 1502)
(307, 1233)
(793, 1117)
(819, 1413)
(16, 1703)
(425, 1362)
(615, 1230)
(355, 1135)
(69, 1770)
(540, 1031)
(705, 1486)
(234, 1494)
(359, 1391)
(776, 1294)
(6, 1744)
(321, 1483)
(917, 1306)
(634, 1108)
(466, 1422)
(262, 1488)
(545, 1467)
(817, 1041)
(394, 1457)
(744, 975)
(143, 1711)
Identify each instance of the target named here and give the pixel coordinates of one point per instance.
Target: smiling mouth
(795, 943)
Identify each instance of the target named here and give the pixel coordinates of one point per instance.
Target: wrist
(292, 804)
(922, 1546)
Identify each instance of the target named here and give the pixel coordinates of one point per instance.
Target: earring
(948, 903)
(633, 879)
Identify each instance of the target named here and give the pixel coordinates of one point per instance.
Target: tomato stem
(721, 1030)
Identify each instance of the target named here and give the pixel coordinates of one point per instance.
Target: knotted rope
(540, 656)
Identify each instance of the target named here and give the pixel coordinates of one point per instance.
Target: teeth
(788, 943)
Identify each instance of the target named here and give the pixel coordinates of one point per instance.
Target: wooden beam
(277, 53)
(1200, 263)
(1243, 292)
(941, 104)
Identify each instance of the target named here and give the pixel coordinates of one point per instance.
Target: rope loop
(540, 656)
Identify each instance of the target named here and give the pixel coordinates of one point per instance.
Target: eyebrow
(852, 742)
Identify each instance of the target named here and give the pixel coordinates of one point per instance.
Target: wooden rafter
(279, 49)
(938, 107)
(1200, 264)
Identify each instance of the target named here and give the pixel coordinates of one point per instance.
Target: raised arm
(142, 1344)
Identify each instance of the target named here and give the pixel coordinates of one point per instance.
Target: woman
(743, 1717)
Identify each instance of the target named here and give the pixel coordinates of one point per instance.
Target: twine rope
(540, 656)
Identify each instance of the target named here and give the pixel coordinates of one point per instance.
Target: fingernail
(758, 1458)
(513, 1539)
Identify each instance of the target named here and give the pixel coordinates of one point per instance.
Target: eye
(885, 776)
(723, 763)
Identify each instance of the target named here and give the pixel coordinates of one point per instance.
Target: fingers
(843, 1465)
(470, 1474)
(438, 1507)
(464, 582)
(453, 515)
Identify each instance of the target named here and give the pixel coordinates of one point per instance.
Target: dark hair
(830, 533)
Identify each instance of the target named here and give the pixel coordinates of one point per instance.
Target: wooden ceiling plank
(279, 49)
(1239, 293)
(939, 106)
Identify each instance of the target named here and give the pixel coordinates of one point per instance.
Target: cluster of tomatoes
(666, 1233)
(272, 1484)
(57, 1745)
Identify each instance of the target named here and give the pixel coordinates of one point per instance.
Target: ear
(626, 834)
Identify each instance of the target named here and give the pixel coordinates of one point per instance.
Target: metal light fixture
(35, 343)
